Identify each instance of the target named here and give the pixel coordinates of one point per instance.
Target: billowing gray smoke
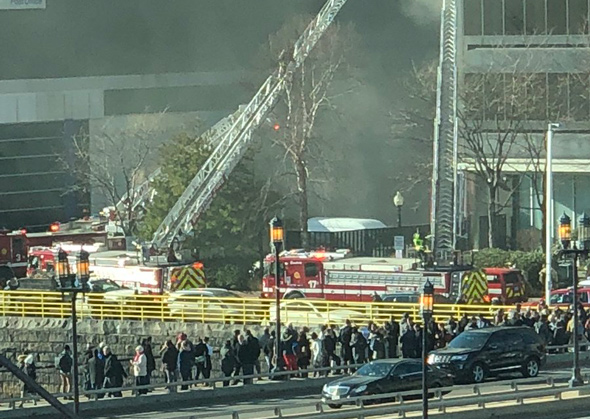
(88, 38)
(423, 12)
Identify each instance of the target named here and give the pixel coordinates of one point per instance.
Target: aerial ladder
(232, 146)
(144, 193)
(443, 214)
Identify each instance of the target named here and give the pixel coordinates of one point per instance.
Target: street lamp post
(398, 201)
(277, 235)
(67, 283)
(549, 210)
(426, 308)
(565, 236)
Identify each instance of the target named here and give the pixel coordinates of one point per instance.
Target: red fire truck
(320, 275)
(154, 277)
(13, 255)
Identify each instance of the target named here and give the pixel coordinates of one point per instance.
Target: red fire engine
(13, 254)
(322, 275)
(154, 277)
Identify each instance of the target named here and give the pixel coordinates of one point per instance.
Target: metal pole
(65, 411)
(75, 354)
(549, 211)
(426, 318)
(399, 215)
(278, 307)
(576, 379)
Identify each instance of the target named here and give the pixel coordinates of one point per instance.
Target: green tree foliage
(530, 263)
(227, 235)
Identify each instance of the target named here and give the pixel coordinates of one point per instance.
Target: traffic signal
(276, 127)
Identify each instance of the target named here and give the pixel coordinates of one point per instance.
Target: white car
(207, 304)
(309, 313)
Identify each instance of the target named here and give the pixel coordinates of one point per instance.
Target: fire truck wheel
(294, 295)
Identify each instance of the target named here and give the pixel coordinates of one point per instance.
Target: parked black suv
(478, 353)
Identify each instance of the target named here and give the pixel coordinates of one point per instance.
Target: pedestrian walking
(209, 355)
(288, 343)
(236, 348)
(200, 355)
(256, 350)
(149, 355)
(408, 339)
(26, 364)
(139, 364)
(303, 352)
(114, 374)
(64, 363)
(185, 363)
(358, 343)
(267, 344)
(247, 357)
(169, 364)
(345, 348)
(228, 361)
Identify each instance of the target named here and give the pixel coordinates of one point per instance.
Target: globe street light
(426, 308)
(398, 201)
(565, 236)
(277, 235)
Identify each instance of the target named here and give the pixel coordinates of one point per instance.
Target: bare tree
(312, 89)
(498, 113)
(114, 160)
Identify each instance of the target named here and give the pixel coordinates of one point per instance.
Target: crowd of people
(329, 346)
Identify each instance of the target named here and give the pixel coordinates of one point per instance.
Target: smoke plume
(423, 12)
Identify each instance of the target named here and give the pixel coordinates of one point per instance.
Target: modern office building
(547, 43)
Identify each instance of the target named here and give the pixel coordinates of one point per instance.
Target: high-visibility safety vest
(187, 277)
(474, 288)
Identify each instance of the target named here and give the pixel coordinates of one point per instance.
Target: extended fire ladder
(215, 171)
(144, 193)
(444, 173)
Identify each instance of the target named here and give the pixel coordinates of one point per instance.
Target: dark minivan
(478, 353)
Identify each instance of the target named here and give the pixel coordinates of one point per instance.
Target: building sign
(22, 4)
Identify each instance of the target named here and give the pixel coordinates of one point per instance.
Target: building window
(557, 17)
(578, 89)
(557, 101)
(493, 17)
(514, 17)
(578, 17)
(472, 17)
(535, 17)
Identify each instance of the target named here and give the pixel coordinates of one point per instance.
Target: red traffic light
(54, 227)
(276, 127)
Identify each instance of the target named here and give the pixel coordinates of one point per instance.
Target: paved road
(264, 408)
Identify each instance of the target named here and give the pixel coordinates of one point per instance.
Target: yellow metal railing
(221, 310)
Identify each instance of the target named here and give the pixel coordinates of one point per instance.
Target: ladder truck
(233, 144)
(444, 214)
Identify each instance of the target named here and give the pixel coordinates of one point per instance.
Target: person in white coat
(139, 363)
(317, 353)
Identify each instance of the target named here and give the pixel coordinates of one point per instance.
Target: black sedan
(382, 377)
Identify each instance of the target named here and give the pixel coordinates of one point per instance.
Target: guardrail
(397, 404)
(220, 310)
(211, 382)
(392, 404)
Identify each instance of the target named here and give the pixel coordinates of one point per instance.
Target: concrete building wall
(549, 40)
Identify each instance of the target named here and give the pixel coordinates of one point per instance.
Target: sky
(104, 37)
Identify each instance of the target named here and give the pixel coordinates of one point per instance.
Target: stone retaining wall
(46, 337)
